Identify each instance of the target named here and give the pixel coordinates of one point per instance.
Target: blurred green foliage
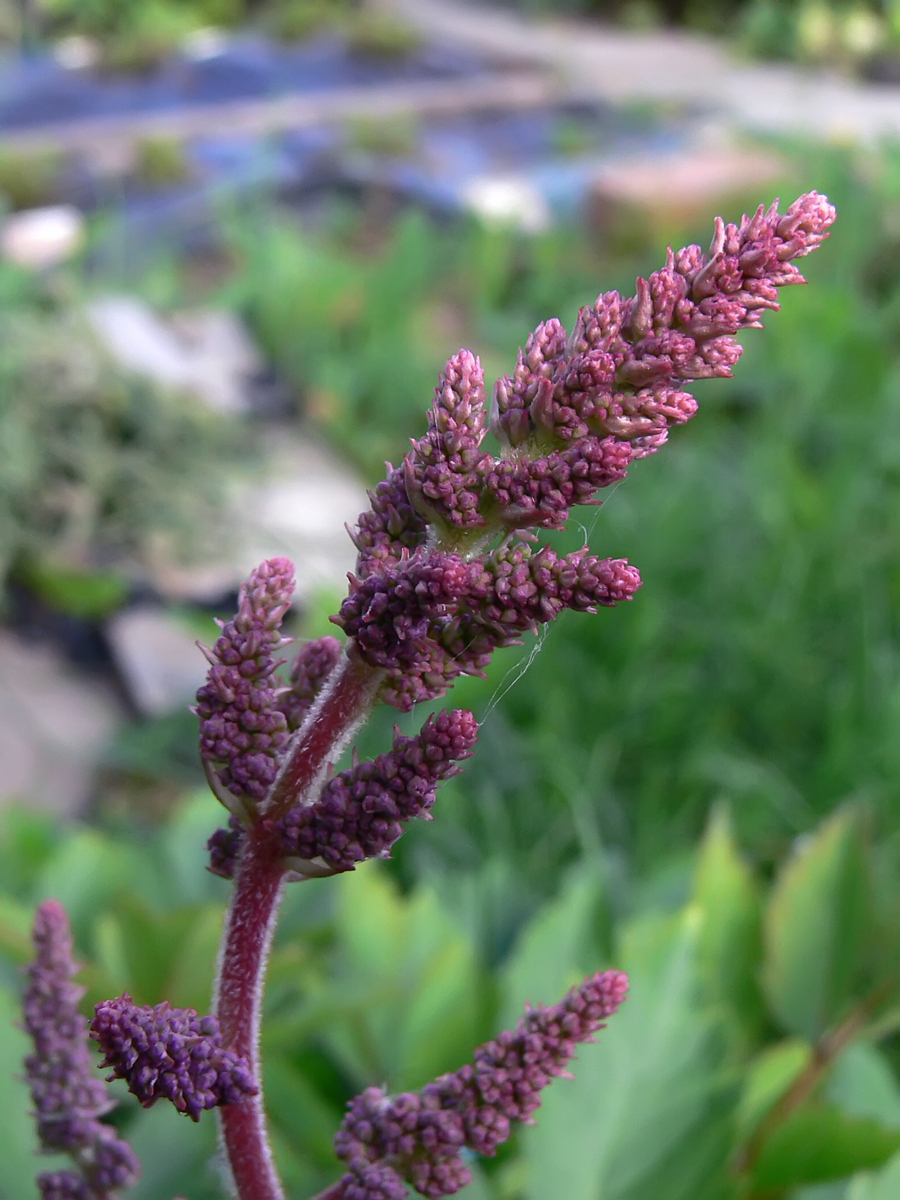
(844, 32)
(135, 35)
(756, 678)
(753, 1059)
(97, 464)
(760, 661)
(29, 178)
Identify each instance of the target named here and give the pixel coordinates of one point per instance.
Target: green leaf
(303, 1115)
(407, 995)
(862, 1084)
(649, 1112)
(882, 1185)
(818, 1143)
(15, 931)
(730, 946)
(84, 873)
(193, 959)
(177, 1156)
(816, 928)
(557, 948)
(20, 1164)
(768, 1078)
(27, 840)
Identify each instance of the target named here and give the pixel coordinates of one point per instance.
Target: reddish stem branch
(343, 706)
(247, 938)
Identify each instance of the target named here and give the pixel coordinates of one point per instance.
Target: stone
(298, 509)
(223, 360)
(302, 509)
(55, 723)
(157, 658)
(38, 238)
(207, 353)
(139, 340)
(678, 189)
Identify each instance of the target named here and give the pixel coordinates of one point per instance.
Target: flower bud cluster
(425, 604)
(444, 472)
(362, 811)
(432, 617)
(390, 527)
(171, 1053)
(242, 731)
(417, 1137)
(225, 846)
(620, 371)
(315, 661)
(68, 1097)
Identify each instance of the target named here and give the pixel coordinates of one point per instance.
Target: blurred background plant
(700, 788)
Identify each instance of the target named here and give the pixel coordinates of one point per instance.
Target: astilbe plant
(447, 572)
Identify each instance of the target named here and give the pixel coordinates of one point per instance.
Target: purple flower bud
(362, 811)
(390, 527)
(68, 1097)
(170, 1053)
(62, 1185)
(513, 397)
(530, 589)
(392, 614)
(444, 470)
(242, 731)
(372, 1181)
(225, 847)
(539, 492)
(309, 671)
(418, 1136)
(436, 616)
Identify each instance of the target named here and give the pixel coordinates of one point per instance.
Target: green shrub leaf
(816, 927)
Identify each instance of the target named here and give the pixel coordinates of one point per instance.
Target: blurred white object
(42, 237)
(507, 200)
(207, 353)
(208, 42)
(222, 356)
(54, 724)
(157, 658)
(77, 53)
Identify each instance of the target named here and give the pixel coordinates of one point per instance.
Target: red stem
(346, 702)
(247, 938)
(343, 705)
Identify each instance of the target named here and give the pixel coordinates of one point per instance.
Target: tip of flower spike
(50, 918)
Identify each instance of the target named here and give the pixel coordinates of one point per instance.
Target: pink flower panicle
(68, 1097)
(620, 372)
(425, 603)
(242, 731)
(416, 1138)
(170, 1053)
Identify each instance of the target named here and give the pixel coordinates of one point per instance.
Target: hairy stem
(345, 703)
(245, 949)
